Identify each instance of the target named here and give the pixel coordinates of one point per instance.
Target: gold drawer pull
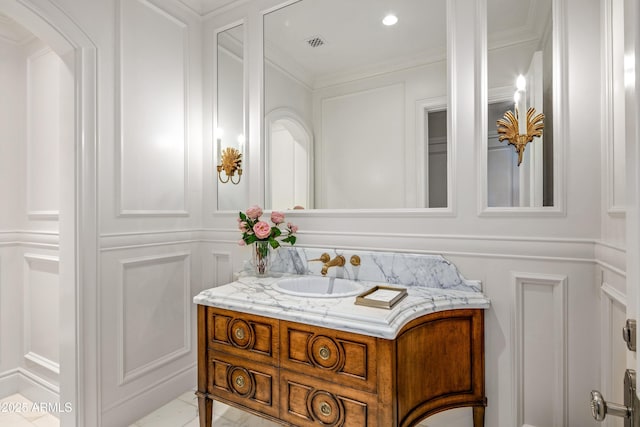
(240, 381)
(325, 409)
(324, 352)
(239, 333)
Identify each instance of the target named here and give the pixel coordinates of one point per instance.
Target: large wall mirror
(355, 103)
(229, 119)
(520, 45)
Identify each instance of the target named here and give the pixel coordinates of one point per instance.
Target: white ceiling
(357, 42)
(204, 7)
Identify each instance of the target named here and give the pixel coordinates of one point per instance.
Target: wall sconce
(231, 162)
(508, 129)
(520, 132)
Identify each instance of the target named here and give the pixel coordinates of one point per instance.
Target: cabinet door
(243, 335)
(341, 357)
(306, 401)
(440, 359)
(250, 384)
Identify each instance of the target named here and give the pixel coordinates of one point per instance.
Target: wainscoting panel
(147, 322)
(43, 133)
(614, 351)
(540, 353)
(154, 313)
(222, 269)
(41, 311)
(153, 124)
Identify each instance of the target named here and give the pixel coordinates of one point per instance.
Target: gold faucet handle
(324, 258)
(355, 260)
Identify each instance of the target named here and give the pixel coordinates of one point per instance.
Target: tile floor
(183, 412)
(15, 411)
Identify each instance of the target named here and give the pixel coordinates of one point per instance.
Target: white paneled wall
(147, 329)
(150, 252)
(41, 290)
(360, 126)
(161, 241)
(153, 337)
(614, 350)
(153, 147)
(44, 120)
(539, 335)
(32, 129)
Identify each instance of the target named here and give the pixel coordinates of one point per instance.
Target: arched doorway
(288, 160)
(78, 211)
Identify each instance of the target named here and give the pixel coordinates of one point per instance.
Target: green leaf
(251, 238)
(290, 239)
(274, 243)
(275, 232)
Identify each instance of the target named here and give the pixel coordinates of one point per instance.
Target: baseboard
(9, 381)
(29, 385)
(37, 389)
(148, 400)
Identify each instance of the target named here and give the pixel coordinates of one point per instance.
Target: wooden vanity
(302, 375)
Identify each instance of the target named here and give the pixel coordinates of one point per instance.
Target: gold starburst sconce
(508, 128)
(230, 163)
(520, 131)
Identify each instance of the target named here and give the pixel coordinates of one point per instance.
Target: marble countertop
(258, 296)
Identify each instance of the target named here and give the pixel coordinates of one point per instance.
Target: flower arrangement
(254, 229)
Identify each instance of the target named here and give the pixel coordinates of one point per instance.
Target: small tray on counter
(381, 296)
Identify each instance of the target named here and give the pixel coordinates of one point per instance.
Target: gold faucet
(338, 261)
(325, 258)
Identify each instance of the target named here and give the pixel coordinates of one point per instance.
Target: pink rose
(243, 226)
(254, 212)
(241, 242)
(262, 230)
(277, 217)
(293, 228)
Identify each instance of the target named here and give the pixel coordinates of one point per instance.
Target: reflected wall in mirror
(360, 93)
(517, 50)
(229, 120)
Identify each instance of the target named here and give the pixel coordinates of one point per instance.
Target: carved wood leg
(205, 404)
(205, 410)
(478, 416)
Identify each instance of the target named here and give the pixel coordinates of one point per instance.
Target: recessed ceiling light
(390, 19)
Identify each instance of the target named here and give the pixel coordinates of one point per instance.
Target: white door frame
(78, 220)
(633, 185)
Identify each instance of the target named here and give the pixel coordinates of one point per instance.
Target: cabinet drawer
(243, 335)
(341, 357)
(306, 401)
(250, 384)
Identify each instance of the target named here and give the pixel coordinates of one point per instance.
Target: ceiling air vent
(315, 41)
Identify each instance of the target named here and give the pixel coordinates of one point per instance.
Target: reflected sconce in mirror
(231, 162)
(520, 132)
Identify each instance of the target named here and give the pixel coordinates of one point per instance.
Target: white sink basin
(318, 287)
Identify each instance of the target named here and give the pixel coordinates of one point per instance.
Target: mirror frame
(614, 71)
(560, 114)
(450, 210)
(216, 102)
